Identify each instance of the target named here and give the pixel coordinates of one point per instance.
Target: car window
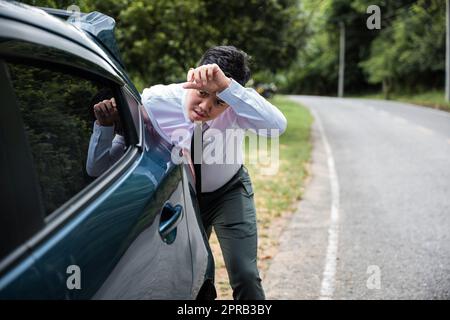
(57, 111)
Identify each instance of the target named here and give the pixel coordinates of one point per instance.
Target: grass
(276, 196)
(433, 99)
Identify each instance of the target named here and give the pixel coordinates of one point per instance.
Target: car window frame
(85, 197)
(126, 91)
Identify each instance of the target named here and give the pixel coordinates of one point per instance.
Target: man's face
(203, 106)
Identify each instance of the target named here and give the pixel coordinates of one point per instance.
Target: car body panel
(110, 230)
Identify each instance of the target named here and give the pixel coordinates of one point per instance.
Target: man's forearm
(253, 110)
(103, 150)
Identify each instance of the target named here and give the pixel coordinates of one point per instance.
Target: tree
(316, 68)
(410, 54)
(160, 39)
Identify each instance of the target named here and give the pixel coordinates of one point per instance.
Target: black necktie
(197, 153)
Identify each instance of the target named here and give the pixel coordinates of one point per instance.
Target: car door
(159, 257)
(202, 258)
(121, 235)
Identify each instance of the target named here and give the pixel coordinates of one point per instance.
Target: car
(267, 90)
(134, 232)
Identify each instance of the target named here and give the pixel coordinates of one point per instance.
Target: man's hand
(106, 112)
(207, 77)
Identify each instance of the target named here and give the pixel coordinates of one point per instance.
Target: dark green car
(131, 233)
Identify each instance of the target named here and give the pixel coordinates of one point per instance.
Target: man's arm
(105, 147)
(253, 110)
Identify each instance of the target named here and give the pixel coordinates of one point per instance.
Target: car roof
(96, 24)
(39, 18)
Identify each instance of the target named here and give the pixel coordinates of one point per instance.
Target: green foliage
(315, 70)
(160, 39)
(406, 54)
(291, 42)
(268, 30)
(410, 53)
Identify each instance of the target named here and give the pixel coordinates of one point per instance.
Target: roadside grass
(433, 99)
(276, 195)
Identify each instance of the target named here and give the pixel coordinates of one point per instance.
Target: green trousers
(231, 210)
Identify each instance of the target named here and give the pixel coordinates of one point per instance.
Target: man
(214, 95)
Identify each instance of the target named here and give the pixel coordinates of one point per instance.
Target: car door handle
(171, 216)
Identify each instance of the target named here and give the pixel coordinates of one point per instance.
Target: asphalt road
(385, 168)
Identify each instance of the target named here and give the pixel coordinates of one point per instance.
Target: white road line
(328, 278)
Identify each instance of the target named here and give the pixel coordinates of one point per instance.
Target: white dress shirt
(105, 148)
(222, 142)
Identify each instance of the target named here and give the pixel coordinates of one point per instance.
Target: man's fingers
(214, 69)
(106, 112)
(97, 112)
(197, 76)
(109, 110)
(107, 103)
(190, 75)
(191, 85)
(97, 109)
(209, 73)
(109, 107)
(203, 75)
(102, 107)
